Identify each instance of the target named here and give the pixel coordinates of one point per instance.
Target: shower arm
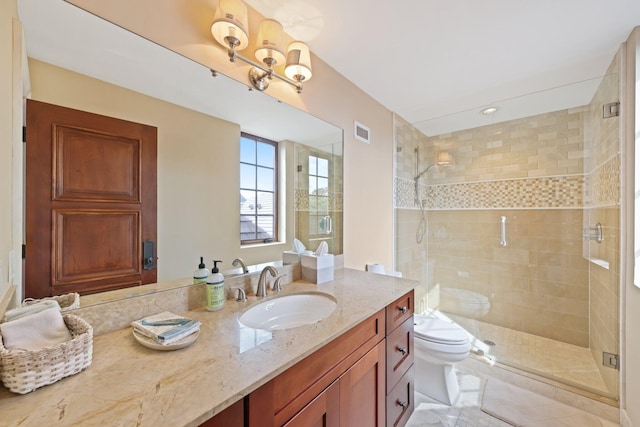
(425, 170)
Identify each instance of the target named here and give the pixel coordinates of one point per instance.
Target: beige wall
(10, 146)
(631, 293)
(198, 175)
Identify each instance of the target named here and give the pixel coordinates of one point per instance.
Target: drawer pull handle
(402, 350)
(403, 309)
(404, 405)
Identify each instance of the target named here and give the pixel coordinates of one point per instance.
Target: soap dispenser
(215, 289)
(201, 274)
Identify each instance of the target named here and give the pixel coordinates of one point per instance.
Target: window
(319, 219)
(258, 189)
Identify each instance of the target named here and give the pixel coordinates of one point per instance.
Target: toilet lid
(438, 330)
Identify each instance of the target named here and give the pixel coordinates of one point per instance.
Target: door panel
(91, 201)
(362, 390)
(323, 411)
(83, 166)
(82, 231)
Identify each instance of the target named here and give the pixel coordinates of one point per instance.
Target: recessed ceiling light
(488, 111)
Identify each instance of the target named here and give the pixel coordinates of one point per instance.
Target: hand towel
(19, 312)
(36, 331)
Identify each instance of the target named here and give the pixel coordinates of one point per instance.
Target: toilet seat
(439, 331)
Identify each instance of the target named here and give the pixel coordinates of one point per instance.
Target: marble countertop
(131, 385)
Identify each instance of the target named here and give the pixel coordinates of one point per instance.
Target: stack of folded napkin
(166, 327)
(34, 327)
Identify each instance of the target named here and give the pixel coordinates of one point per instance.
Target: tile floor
(562, 362)
(513, 406)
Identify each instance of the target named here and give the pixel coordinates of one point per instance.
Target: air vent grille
(361, 132)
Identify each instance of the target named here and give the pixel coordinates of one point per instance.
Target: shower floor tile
(556, 360)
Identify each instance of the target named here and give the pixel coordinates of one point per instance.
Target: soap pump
(201, 274)
(215, 289)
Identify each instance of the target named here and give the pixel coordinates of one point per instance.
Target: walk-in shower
(503, 243)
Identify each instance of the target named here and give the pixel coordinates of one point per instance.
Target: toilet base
(437, 381)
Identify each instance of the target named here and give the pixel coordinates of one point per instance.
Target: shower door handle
(328, 224)
(503, 231)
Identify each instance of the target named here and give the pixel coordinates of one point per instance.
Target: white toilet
(439, 345)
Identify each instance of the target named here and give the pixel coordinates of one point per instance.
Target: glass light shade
(269, 48)
(444, 158)
(298, 62)
(230, 24)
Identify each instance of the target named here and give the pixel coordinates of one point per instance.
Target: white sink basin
(289, 311)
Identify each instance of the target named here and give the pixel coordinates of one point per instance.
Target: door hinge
(24, 251)
(610, 360)
(611, 110)
(24, 134)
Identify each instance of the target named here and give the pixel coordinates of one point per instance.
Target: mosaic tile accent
(553, 192)
(301, 200)
(604, 185)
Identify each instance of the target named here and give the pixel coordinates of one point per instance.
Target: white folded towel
(19, 312)
(36, 331)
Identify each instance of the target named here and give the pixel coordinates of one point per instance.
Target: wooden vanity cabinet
(353, 365)
(399, 358)
(363, 378)
(233, 416)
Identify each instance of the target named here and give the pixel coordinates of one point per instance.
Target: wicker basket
(25, 371)
(66, 302)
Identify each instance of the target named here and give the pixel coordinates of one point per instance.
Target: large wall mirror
(80, 61)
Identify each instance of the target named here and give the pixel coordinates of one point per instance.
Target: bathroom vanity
(357, 364)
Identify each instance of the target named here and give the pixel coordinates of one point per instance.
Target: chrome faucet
(239, 261)
(262, 281)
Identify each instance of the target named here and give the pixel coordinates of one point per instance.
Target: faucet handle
(277, 286)
(242, 295)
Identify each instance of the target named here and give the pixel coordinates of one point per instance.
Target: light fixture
(230, 29)
(488, 111)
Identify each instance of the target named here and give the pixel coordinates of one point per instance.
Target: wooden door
(362, 390)
(90, 202)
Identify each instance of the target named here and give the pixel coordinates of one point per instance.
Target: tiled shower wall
(549, 175)
(530, 171)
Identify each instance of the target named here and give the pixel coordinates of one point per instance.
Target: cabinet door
(362, 390)
(233, 416)
(323, 411)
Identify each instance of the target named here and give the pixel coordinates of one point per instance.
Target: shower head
(444, 162)
(444, 159)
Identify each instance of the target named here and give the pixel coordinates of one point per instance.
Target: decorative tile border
(554, 192)
(301, 200)
(604, 184)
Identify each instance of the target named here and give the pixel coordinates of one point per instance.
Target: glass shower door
(318, 197)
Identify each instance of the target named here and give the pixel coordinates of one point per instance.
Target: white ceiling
(423, 59)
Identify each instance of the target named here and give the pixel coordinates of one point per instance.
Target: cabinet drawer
(400, 403)
(399, 352)
(399, 311)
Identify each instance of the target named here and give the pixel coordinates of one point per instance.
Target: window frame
(276, 191)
